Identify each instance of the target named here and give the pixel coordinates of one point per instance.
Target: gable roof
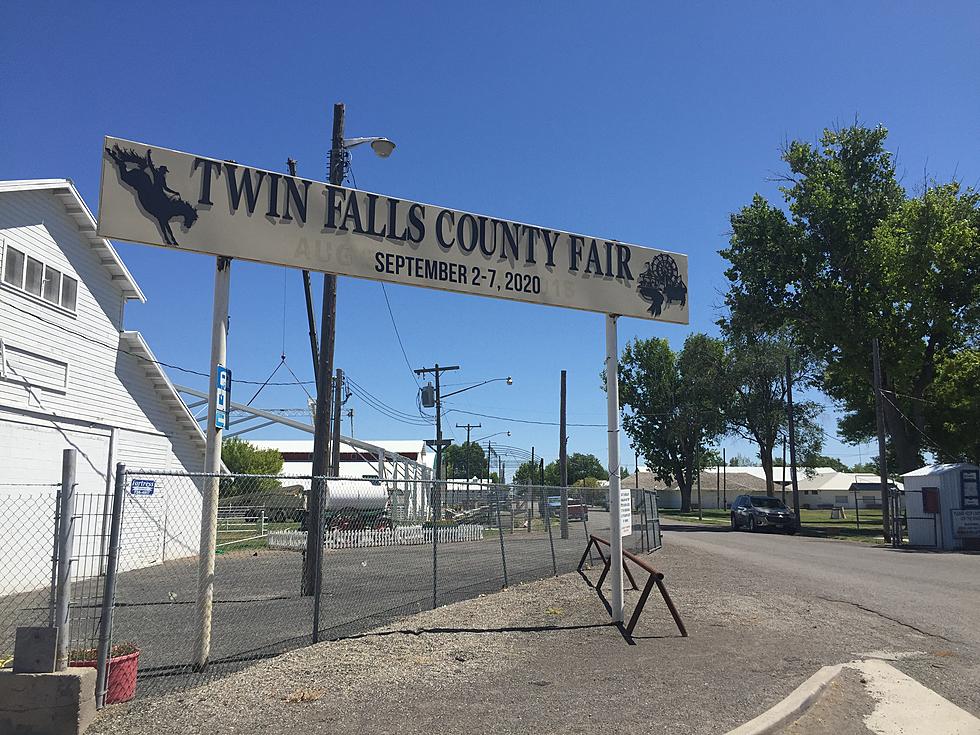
(134, 343)
(76, 208)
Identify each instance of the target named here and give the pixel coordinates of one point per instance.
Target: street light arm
(510, 381)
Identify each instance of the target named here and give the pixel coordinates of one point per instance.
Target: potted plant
(121, 678)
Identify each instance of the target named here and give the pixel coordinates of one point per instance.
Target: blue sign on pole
(222, 397)
(142, 487)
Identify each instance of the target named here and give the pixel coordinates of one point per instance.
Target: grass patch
(815, 523)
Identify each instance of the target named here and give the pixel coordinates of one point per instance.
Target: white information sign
(625, 512)
(163, 197)
(966, 523)
(222, 399)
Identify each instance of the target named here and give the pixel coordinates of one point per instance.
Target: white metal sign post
(194, 203)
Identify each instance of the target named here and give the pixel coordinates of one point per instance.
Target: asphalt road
(934, 596)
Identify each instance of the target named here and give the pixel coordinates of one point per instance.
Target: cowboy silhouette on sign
(149, 183)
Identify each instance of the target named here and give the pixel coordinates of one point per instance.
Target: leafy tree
(739, 461)
(529, 473)
(456, 457)
(758, 407)
(673, 404)
(854, 259)
(818, 460)
(952, 413)
(585, 465)
(244, 458)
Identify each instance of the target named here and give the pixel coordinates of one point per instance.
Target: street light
(508, 379)
(381, 146)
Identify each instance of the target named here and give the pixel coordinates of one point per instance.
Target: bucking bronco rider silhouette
(155, 197)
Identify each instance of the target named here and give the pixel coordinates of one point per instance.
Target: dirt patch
(839, 711)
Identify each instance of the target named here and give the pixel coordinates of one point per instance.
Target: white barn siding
(69, 380)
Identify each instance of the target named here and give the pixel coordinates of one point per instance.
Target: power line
(522, 421)
(161, 363)
(398, 335)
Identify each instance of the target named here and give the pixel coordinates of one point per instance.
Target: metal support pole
(882, 450)
(551, 538)
(109, 590)
(308, 292)
(615, 503)
(212, 464)
(335, 441)
(563, 460)
(530, 492)
(317, 489)
(500, 533)
(792, 442)
(66, 539)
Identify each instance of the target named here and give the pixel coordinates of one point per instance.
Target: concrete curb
(791, 708)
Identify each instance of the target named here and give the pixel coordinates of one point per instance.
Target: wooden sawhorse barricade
(656, 578)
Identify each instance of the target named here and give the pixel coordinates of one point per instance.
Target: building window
(31, 275)
(35, 276)
(13, 267)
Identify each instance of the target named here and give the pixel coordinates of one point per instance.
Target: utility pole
(697, 461)
(530, 493)
(724, 476)
(436, 489)
(792, 442)
(882, 458)
(563, 460)
(335, 444)
(308, 291)
(616, 515)
(212, 465)
(466, 452)
(718, 485)
(784, 470)
(324, 369)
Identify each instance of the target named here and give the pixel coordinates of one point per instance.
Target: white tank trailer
(356, 503)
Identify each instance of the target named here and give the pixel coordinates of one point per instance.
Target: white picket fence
(397, 536)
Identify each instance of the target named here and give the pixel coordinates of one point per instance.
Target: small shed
(943, 506)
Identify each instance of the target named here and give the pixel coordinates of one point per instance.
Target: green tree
(853, 259)
(954, 407)
(456, 457)
(244, 458)
(674, 404)
(758, 407)
(581, 466)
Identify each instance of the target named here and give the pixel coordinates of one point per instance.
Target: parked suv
(756, 512)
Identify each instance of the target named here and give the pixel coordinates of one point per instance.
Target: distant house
(70, 374)
(825, 488)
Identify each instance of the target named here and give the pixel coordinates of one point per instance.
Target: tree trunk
(766, 458)
(685, 497)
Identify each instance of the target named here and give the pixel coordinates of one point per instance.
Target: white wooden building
(70, 374)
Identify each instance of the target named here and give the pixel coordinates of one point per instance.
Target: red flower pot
(121, 679)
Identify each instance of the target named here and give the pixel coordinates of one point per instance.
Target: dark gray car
(757, 512)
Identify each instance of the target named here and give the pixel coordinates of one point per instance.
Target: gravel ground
(543, 657)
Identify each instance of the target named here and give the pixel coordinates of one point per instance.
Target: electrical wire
(398, 336)
(161, 363)
(522, 421)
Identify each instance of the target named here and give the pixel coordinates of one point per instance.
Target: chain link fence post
(66, 538)
(500, 534)
(433, 503)
(551, 539)
(109, 590)
(317, 530)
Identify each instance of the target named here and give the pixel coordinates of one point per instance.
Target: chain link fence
(390, 547)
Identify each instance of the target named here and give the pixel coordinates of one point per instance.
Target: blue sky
(649, 123)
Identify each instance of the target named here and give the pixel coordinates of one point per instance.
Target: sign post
(212, 462)
(617, 529)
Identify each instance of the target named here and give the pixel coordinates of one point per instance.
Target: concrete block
(35, 650)
(62, 703)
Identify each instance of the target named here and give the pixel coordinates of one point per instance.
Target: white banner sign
(966, 523)
(162, 197)
(625, 512)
